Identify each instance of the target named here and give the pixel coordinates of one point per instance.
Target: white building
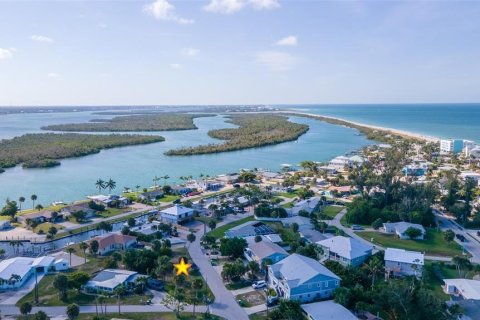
(109, 279)
(400, 262)
(399, 228)
(449, 146)
(465, 288)
(15, 272)
(345, 250)
(176, 214)
(339, 163)
(327, 310)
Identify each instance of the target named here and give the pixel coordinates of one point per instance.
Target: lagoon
(137, 165)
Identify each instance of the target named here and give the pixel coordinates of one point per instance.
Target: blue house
(301, 278)
(264, 251)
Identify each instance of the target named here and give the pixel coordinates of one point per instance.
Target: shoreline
(356, 125)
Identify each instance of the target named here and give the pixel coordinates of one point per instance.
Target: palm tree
(165, 178)
(155, 180)
(100, 185)
(137, 187)
(34, 198)
(21, 200)
(126, 189)
(119, 292)
(84, 247)
(110, 185)
(374, 266)
(70, 250)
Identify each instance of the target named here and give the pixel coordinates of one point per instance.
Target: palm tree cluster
(109, 184)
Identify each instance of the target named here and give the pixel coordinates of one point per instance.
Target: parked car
(460, 237)
(155, 284)
(259, 284)
(176, 201)
(194, 267)
(356, 227)
(271, 301)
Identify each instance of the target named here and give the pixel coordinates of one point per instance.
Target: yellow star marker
(182, 267)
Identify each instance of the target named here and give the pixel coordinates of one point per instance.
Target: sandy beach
(387, 130)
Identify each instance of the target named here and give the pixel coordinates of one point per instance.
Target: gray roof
(297, 269)
(402, 226)
(265, 248)
(346, 247)
(327, 310)
(313, 235)
(111, 278)
(250, 228)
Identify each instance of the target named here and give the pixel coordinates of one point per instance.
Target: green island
(137, 122)
(42, 150)
(255, 130)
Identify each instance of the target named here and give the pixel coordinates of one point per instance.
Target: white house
(400, 262)
(327, 310)
(109, 279)
(345, 250)
(113, 242)
(301, 278)
(339, 163)
(307, 205)
(176, 214)
(399, 229)
(465, 288)
(16, 271)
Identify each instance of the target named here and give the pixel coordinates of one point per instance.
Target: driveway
(11, 297)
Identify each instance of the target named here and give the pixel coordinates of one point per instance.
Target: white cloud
(175, 66)
(6, 53)
(276, 60)
(189, 52)
(265, 4)
(53, 75)
(43, 39)
(164, 10)
(288, 41)
(102, 25)
(232, 6)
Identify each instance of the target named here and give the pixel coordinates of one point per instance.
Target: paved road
(225, 304)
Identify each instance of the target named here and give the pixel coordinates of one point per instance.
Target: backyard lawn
(111, 212)
(290, 195)
(43, 227)
(148, 316)
(250, 299)
(329, 212)
(220, 231)
(169, 198)
(434, 244)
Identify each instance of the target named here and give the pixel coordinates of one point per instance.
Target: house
(109, 279)
(249, 229)
(399, 229)
(465, 288)
(151, 195)
(263, 251)
(308, 205)
(114, 241)
(16, 271)
(228, 178)
(302, 222)
(275, 238)
(181, 190)
(83, 206)
(347, 251)
(327, 310)
(413, 170)
(339, 163)
(176, 214)
(110, 200)
(268, 175)
(400, 262)
(5, 224)
(313, 236)
(41, 216)
(356, 160)
(301, 278)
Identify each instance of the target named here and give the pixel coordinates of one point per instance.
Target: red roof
(105, 241)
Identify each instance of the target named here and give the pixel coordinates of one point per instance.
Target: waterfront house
(76, 207)
(399, 229)
(40, 216)
(327, 310)
(114, 241)
(177, 214)
(301, 278)
(464, 288)
(263, 251)
(400, 262)
(249, 229)
(17, 271)
(109, 279)
(110, 200)
(152, 195)
(339, 163)
(229, 178)
(345, 250)
(5, 224)
(307, 205)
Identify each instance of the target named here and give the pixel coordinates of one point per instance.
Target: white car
(259, 284)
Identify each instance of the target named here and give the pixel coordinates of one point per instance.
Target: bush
(377, 224)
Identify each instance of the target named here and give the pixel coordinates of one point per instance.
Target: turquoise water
(441, 120)
(133, 165)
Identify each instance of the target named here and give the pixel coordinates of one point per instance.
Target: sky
(238, 52)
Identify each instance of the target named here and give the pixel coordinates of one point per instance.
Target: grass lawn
(111, 212)
(45, 226)
(4, 218)
(290, 195)
(52, 208)
(147, 316)
(168, 198)
(287, 205)
(220, 231)
(258, 316)
(434, 244)
(331, 211)
(251, 299)
(238, 285)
